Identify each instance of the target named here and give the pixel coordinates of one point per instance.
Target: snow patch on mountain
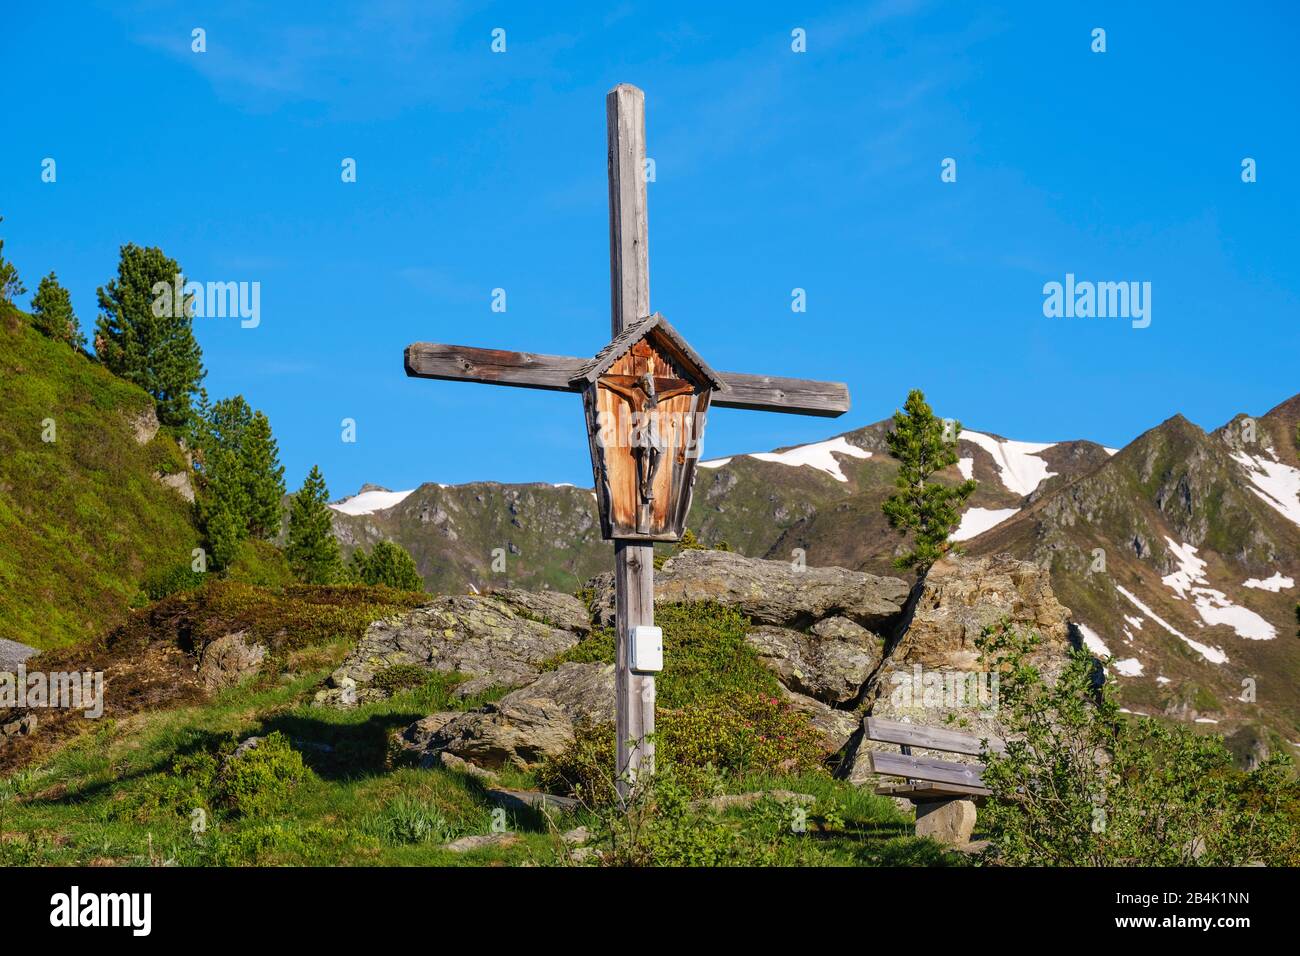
(1276, 483)
(1018, 463)
(1093, 642)
(1129, 667)
(1214, 607)
(1212, 654)
(978, 520)
(370, 501)
(819, 455)
(1276, 583)
(967, 467)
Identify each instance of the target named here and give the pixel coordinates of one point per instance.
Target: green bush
(261, 779)
(164, 582)
(719, 711)
(734, 735)
(185, 788)
(1082, 784)
(664, 826)
(400, 677)
(259, 563)
(388, 564)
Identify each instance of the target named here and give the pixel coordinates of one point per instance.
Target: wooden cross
(658, 367)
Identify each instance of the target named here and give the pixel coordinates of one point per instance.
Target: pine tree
(313, 552)
(10, 284)
(265, 478)
(241, 480)
(927, 509)
(145, 337)
(389, 564)
(52, 313)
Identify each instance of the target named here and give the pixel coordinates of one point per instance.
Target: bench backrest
(928, 738)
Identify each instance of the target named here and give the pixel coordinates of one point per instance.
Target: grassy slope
(81, 518)
(93, 799)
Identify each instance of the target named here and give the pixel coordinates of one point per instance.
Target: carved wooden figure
(646, 396)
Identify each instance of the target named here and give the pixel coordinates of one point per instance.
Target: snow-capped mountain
(1178, 554)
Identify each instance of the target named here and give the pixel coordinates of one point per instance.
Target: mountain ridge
(1177, 504)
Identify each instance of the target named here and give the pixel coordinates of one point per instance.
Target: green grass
(131, 790)
(81, 518)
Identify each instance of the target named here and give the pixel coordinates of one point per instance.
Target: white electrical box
(646, 649)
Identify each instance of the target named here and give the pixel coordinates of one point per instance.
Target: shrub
(400, 677)
(1081, 783)
(733, 735)
(388, 564)
(164, 582)
(261, 779)
(663, 826)
(586, 767)
(260, 563)
(186, 787)
(719, 710)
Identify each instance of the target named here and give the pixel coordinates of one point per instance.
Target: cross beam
(765, 393)
(629, 272)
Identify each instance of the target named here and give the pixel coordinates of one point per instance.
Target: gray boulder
(498, 640)
(13, 654)
(769, 592)
(830, 663)
(524, 727)
(229, 660)
(934, 674)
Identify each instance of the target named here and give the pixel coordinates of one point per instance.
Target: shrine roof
(619, 345)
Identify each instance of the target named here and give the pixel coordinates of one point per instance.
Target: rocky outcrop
(178, 482)
(498, 640)
(830, 662)
(12, 654)
(836, 640)
(934, 675)
(229, 660)
(526, 726)
(769, 592)
(961, 596)
(144, 425)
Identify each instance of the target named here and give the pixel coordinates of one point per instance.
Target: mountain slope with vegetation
(83, 518)
(1174, 497)
(1177, 568)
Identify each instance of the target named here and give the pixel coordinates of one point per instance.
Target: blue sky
(775, 170)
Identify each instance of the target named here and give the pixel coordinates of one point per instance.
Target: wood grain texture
(629, 225)
(634, 571)
(769, 393)
(928, 738)
(629, 279)
(465, 363)
(927, 768)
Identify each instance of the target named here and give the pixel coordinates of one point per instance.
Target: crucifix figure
(645, 394)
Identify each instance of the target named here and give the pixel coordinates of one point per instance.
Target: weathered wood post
(646, 396)
(629, 284)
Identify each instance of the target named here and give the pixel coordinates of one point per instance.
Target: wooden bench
(944, 792)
